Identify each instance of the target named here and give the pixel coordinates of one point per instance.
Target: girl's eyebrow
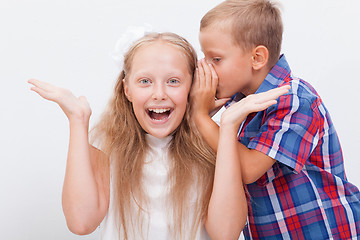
(150, 75)
(177, 73)
(142, 72)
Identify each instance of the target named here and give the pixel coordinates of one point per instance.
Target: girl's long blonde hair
(123, 140)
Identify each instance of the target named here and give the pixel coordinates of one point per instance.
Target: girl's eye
(173, 81)
(144, 81)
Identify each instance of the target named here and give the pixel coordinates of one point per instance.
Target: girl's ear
(126, 90)
(260, 57)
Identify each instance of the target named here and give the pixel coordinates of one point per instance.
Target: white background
(68, 44)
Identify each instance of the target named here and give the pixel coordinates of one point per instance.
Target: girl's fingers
(83, 100)
(254, 103)
(280, 90)
(264, 105)
(46, 90)
(42, 93)
(261, 101)
(272, 94)
(43, 85)
(33, 81)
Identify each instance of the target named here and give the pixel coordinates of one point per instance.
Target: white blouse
(156, 223)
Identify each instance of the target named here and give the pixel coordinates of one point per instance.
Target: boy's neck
(257, 79)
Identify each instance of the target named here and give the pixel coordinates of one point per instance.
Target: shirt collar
(157, 143)
(276, 76)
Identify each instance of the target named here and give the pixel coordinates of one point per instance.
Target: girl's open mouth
(159, 114)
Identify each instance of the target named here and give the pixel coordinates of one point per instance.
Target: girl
(154, 177)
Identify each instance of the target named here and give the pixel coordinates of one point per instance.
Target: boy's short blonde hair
(251, 22)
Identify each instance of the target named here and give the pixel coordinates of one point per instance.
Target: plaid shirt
(305, 194)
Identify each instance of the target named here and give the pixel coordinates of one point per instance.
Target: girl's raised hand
(237, 112)
(73, 107)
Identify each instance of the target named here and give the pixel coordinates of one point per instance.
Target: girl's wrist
(229, 128)
(229, 121)
(79, 120)
(79, 116)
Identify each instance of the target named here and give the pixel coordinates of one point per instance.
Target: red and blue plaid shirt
(305, 194)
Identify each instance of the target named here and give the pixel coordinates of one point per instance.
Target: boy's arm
(208, 129)
(203, 102)
(86, 188)
(255, 163)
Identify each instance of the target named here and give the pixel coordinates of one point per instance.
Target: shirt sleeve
(289, 132)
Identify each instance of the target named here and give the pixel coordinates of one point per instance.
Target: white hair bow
(125, 41)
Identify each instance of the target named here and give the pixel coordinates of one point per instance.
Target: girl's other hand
(74, 108)
(237, 112)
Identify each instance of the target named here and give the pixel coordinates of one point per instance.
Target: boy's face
(231, 63)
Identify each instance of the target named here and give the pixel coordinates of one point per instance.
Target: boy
(290, 154)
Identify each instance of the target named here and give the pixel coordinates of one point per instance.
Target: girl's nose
(159, 92)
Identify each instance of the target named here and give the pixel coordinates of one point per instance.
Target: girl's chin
(159, 134)
(161, 131)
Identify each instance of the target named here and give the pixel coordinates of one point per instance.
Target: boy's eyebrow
(211, 52)
(203, 50)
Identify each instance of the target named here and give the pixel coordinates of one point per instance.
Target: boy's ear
(126, 90)
(260, 57)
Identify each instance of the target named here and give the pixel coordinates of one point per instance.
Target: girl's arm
(228, 207)
(86, 189)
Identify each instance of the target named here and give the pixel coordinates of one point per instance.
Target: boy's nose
(159, 92)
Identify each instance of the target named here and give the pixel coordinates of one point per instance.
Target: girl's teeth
(159, 110)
